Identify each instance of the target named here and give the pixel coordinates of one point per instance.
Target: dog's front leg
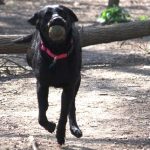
(42, 93)
(67, 96)
(75, 130)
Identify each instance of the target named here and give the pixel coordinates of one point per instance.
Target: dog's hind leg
(72, 115)
(42, 93)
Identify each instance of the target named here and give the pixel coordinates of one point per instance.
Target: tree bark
(117, 32)
(89, 35)
(113, 2)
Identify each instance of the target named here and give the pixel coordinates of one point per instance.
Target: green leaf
(143, 18)
(113, 14)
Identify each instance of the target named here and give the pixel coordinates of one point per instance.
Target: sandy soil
(112, 104)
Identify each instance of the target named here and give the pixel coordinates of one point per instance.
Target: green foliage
(143, 18)
(113, 14)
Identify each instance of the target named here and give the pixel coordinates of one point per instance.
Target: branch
(17, 64)
(90, 35)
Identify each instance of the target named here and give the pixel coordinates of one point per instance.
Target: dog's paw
(60, 135)
(60, 140)
(50, 127)
(76, 132)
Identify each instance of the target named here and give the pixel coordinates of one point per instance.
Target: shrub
(113, 14)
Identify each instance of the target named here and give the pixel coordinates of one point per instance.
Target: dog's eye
(48, 14)
(62, 13)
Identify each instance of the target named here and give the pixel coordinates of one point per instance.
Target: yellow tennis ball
(57, 33)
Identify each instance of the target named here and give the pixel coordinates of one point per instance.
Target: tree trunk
(90, 35)
(113, 2)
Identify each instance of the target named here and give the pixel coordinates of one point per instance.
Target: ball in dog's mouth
(57, 33)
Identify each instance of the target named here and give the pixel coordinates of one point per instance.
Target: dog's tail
(24, 39)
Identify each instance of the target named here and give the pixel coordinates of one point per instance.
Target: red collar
(51, 54)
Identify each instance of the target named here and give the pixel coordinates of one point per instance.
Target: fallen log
(90, 35)
(118, 32)
(8, 46)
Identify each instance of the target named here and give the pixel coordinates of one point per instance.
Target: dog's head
(54, 22)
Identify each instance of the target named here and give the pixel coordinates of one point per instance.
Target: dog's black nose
(57, 20)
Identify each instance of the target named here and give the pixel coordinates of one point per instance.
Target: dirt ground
(113, 100)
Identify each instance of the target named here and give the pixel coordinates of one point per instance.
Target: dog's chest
(58, 74)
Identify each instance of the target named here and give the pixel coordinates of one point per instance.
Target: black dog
(55, 57)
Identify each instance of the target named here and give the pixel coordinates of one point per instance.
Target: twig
(9, 60)
(3, 64)
(33, 143)
(122, 43)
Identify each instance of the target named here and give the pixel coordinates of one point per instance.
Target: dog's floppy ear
(72, 15)
(34, 19)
